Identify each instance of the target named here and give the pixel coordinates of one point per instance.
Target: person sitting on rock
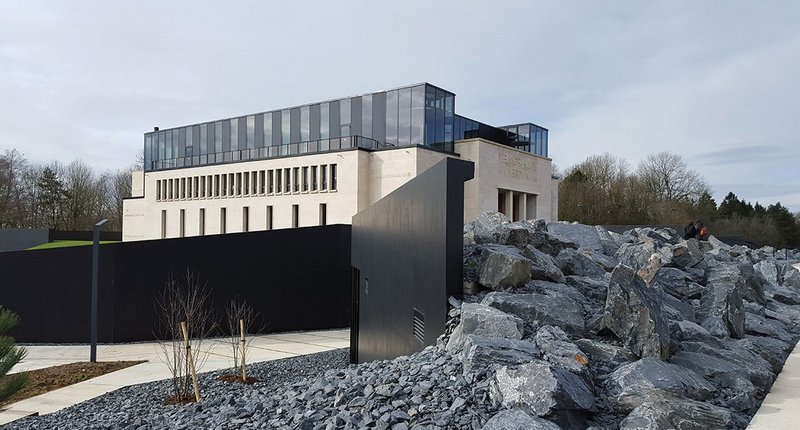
(702, 232)
(689, 231)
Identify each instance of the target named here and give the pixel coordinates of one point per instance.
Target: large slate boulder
(722, 310)
(572, 262)
(630, 384)
(486, 227)
(482, 320)
(792, 278)
(591, 288)
(673, 281)
(540, 309)
(686, 255)
(724, 365)
(599, 351)
(543, 389)
(636, 255)
(558, 350)
(585, 236)
(481, 353)
(517, 419)
(549, 243)
(503, 267)
(757, 325)
(687, 331)
(608, 241)
(774, 351)
(607, 263)
(768, 270)
(543, 266)
(753, 287)
(634, 314)
(667, 412)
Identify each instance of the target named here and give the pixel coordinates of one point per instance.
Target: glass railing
(289, 149)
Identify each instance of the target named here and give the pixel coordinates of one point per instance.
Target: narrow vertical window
(269, 217)
(238, 184)
(305, 179)
(333, 177)
(287, 176)
(231, 190)
(313, 178)
(201, 222)
(278, 180)
(270, 181)
(222, 220)
(224, 185)
(323, 177)
(183, 188)
(245, 219)
(295, 216)
(163, 224)
(323, 214)
(246, 180)
(261, 180)
(183, 223)
(296, 179)
(158, 190)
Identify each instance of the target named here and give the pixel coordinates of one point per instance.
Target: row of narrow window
(289, 180)
(223, 220)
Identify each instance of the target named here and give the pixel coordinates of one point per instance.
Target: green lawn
(66, 244)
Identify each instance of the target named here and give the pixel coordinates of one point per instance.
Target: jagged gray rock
(593, 289)
(482, 320)
(724, 365)
(585, 236)
(486, 225)
(543, 389)
(540, 309)
(607, 241)
(768, 270)
(673, 281)
(516, 419)
(572, 262)
(686, 255)
(636, 255)
(558, 350)
(604, 352)
(753, 288)
(663, 411)
(634, 314)
(484, 352)
(723, 310)
(503, 267)
(543, 266)
(760, 326)
(792, 278)
(630, 384)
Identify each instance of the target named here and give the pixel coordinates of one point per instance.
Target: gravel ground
(142, 406)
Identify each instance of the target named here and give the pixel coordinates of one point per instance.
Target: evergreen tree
(785, 223)
(10, 355)
(51, 195)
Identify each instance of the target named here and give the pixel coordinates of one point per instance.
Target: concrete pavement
(262, 348)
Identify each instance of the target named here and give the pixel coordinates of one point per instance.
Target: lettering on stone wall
(516, 167)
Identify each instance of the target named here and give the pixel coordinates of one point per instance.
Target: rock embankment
(563, 326)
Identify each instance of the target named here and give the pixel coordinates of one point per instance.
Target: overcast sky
(717, 82)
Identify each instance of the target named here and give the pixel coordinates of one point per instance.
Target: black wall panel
(297, 279)
(407, 253)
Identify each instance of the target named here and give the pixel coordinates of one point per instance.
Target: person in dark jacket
(689, 231)
(702, 232)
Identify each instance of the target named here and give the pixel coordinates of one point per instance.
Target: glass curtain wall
(415, 115)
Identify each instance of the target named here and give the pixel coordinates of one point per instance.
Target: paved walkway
(262, 348)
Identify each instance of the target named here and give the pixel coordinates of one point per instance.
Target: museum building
(322, 163)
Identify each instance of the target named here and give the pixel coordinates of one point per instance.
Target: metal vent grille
(419, 326)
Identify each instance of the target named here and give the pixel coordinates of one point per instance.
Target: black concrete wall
(297, 279)
(15, 239)
(407, 255)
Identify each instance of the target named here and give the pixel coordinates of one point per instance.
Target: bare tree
(238, 310)
(668, 178)
(184, 300)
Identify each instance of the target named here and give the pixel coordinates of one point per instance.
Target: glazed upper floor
(421, 114)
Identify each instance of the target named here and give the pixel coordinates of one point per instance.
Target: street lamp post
(95, 276)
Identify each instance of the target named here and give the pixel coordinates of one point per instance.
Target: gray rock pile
(639, 330)
(562, 326)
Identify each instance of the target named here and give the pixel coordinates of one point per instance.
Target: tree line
(606, 190)
(70, 196)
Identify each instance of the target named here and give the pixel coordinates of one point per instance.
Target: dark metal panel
(267, 273)
(243, 143)
(259, 131)
(226, 135)
(407, 250)
(276, 128)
